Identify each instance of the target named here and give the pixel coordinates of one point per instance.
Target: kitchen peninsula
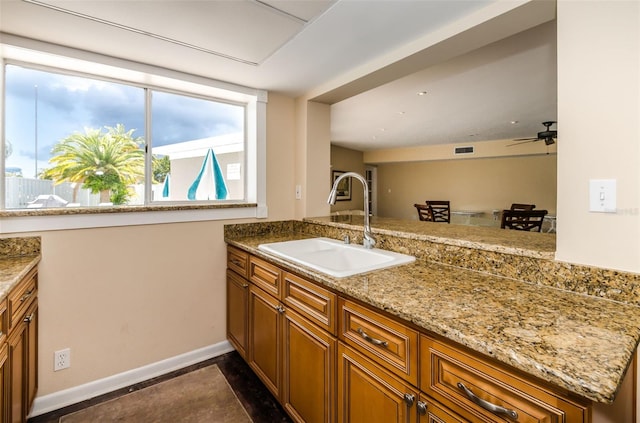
(496, 294)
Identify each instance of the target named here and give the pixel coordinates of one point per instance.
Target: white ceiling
(368, 58)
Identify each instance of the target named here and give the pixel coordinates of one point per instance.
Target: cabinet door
(265, 338)
(17, 372)
(237, 313)
(31, 355)
(367, 393)
(430, 411)
(4, 380)
(309, 371)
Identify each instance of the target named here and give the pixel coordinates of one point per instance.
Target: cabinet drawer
(382, 339)
(265, 275)
(238, 261)
(470, 386)
(311, 301)
(21, 297)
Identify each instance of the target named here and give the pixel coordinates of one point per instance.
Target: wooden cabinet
(237, 299)
(484, 391)
(20, 369)
(368, 393)
(429, 411)
(4, 362)
(265, 338)
(237, 311)
(308, 393)
(384, 340)
(379, 369)
(290, 335)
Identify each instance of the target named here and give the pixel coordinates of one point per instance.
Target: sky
(66, 104)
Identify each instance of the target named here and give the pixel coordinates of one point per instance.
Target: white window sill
(30, 220)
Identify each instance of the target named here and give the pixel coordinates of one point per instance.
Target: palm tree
(104, 162)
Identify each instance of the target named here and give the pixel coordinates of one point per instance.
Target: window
(76, 141)
(192, 146)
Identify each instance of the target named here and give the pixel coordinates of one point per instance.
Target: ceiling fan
(547, 135)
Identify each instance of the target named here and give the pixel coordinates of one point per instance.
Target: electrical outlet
(61, 359)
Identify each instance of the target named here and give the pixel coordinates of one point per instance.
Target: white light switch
(602, 195)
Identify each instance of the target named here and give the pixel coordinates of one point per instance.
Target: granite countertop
(578, 342)
(523, 243)
(17, 257)
(13, 269)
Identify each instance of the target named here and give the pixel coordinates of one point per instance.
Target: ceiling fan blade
(526, 139)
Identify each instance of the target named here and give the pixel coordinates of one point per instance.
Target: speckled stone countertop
(17, 257)
(523, 243)
(581, 343)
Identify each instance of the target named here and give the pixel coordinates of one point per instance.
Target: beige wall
(347, 160)
(598, 110)
(125, 297)
(312, 155)
(598, 115)
(478, 184)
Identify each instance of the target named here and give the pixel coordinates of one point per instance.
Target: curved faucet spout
(368, 241)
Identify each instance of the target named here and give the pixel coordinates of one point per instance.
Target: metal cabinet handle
(28, 318)
(27, 294)
(409, 399)
(245, 285)
(422, 408)
(374, 341)
(237, 262)
(280, 309)
(495, 409)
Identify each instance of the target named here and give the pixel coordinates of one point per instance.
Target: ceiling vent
(463, 150)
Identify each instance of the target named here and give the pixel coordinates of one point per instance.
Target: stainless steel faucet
(368, 241)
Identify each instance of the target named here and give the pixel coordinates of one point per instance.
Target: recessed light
(422, 93)
(514, 122)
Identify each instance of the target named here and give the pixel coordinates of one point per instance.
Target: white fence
(21, 191)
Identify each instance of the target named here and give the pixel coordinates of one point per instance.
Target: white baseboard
(46, 403)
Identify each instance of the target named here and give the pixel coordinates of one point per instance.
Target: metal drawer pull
(374, 341)
(28, 318)
(27, 294)
(496, 409)
(280, 309)
(237, 262)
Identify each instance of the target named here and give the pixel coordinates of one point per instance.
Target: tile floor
(258, 401)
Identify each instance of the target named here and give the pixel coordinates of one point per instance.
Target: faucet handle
(346, 239)
(368, 241)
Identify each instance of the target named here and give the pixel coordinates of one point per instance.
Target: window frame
(43, 56)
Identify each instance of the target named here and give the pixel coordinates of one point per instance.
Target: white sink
(335, 257)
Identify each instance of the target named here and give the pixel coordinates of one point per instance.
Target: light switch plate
(602, 195)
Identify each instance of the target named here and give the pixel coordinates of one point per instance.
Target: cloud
(66, 104)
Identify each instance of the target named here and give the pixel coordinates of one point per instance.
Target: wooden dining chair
(520, 206)
(523, 220)
(423, 212)
(440, 211)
